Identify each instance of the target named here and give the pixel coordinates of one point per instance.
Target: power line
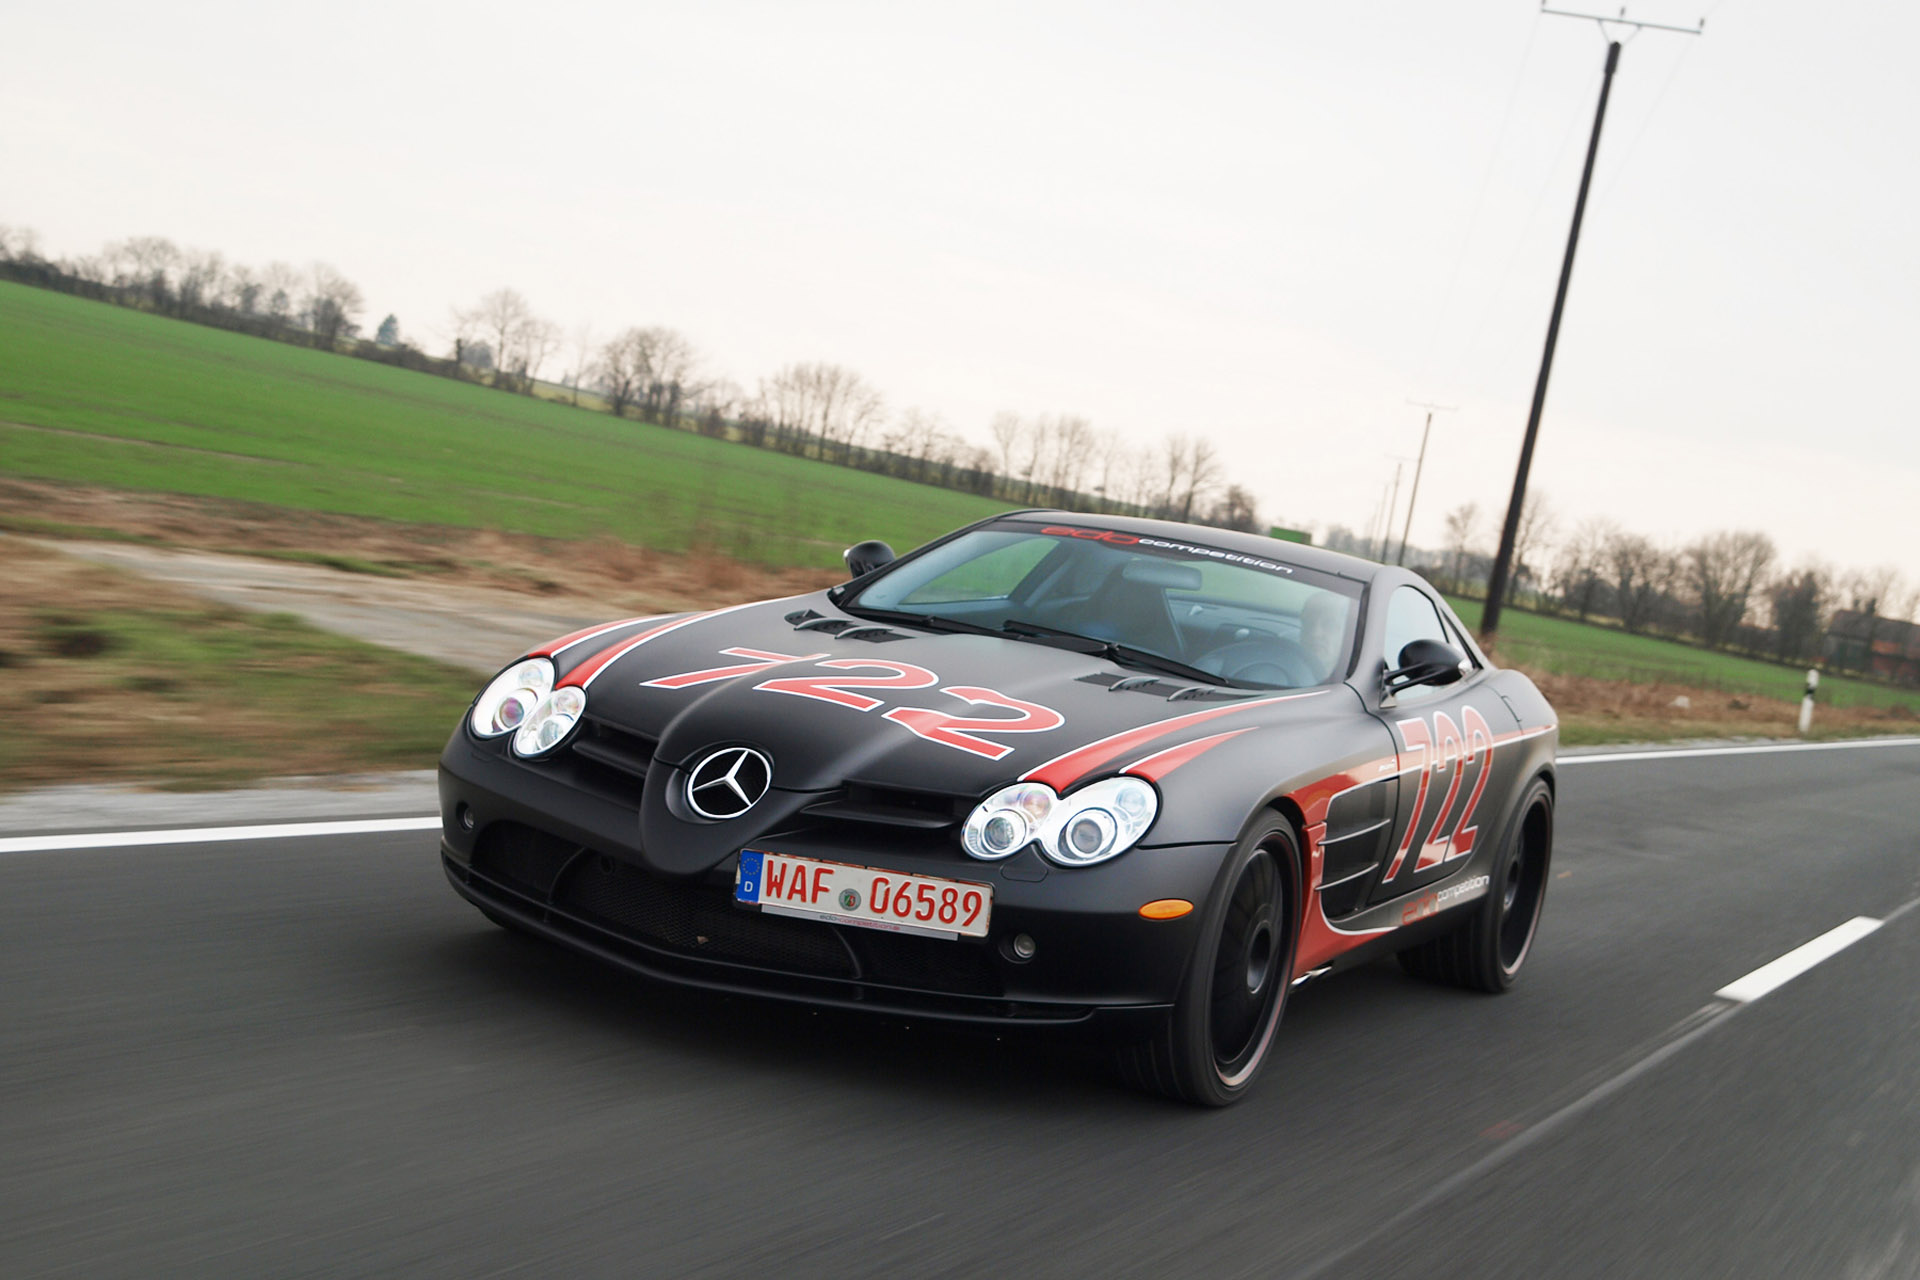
(1503, 560)
(1479, 201)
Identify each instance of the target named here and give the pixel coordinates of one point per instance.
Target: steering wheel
(1268, 660)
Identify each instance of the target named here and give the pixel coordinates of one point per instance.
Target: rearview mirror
(864, 557)
(1426, 662)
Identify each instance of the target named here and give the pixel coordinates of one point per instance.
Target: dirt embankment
(1595, 711)
(602, 577)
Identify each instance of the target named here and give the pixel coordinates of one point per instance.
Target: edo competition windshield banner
(1163, 546)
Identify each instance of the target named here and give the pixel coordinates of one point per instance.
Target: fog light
(1023, 946)
(465, 816)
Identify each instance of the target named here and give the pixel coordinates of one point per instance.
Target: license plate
(843, 894)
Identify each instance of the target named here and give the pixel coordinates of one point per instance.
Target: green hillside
(1567, 647)
(101, 394)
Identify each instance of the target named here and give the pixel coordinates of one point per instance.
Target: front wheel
(1215, 1042)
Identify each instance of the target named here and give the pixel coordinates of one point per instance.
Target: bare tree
(917, 436)
(279, 284)
(1642, 573)
(506, 324)
(712, 403)
(620, 372)
(1533, 534)
(1800, 600)
(201, 275)
(1578, 571)
(19, 244)
(1202, 476)
(332, 304)
(1008, 432)
(827, 403)
(146, 265)
(1073, 443)
(1236, 510)
(1173, 470)
(1460, 526)
(581, 350)
(671, 364)
(1035, 445)
(243, 290)
(538, 341)
(1724, 570)
(1145, 477)
(1108, 460)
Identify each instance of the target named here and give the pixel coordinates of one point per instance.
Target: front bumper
(565, 863)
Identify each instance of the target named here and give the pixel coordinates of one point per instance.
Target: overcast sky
(1271, 223)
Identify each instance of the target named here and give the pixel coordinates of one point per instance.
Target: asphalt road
(306, 1057)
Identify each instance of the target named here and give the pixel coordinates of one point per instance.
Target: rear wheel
(1215, 1042)
(1485, 953)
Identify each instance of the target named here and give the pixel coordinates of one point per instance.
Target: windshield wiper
(929, 621)
(1124, 654)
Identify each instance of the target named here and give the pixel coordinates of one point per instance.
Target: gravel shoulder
(482, 627)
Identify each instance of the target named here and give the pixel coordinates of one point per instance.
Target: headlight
(1008, 820)
(551, 722)
(1091, 825)
(511, 698)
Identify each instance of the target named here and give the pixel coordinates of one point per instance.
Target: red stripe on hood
(553, 648)
(1062, 772)
(1161, 763)
(584, 674)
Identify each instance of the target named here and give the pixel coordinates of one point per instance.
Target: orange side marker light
(1166, 909)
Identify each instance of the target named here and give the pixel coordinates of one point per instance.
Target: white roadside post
(1806, 702)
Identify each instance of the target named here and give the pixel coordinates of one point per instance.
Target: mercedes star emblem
(728, 782)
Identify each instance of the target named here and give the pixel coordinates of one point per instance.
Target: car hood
(847, 707)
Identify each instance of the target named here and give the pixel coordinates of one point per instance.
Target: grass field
(104, 395)
(1567, 647)
(111, 677)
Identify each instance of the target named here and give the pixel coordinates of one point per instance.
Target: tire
(1486, 952)
(1212, 1047)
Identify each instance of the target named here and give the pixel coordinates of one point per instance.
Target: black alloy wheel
(1492, 941)
(1223, 1024)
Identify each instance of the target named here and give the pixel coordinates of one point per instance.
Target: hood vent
(895, 807)
(843, 628)
(1162, 687)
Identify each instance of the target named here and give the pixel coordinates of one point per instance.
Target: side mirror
(1426, 662)
(864, 557)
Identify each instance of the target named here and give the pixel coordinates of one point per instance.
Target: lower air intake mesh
(526, 859)
(699, 920)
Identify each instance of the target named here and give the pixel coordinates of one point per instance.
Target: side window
(1411, 616)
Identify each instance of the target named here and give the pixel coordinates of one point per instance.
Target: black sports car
(1050, 769)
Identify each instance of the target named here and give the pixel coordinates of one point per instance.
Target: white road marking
(208, 835)
(1695, 1026)
(1686, 753)
(1779, 972)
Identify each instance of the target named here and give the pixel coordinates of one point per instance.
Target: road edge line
(215, 835)
(1755, 749)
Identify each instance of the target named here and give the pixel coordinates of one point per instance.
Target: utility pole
(1414, 496)
(1393, 505)
(1503, 561)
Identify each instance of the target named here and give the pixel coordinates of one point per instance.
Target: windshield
(1237, 618)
